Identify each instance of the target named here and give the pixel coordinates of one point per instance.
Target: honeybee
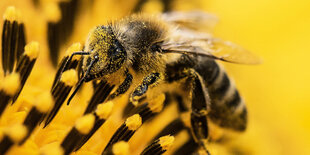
(145, 56)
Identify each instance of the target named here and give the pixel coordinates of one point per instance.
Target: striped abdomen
(227, 107)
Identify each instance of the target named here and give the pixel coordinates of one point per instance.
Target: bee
(145, 56)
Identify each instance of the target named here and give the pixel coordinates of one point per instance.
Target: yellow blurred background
(276, 92)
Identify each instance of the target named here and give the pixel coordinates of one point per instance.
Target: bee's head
(104, 56)
(105, 49)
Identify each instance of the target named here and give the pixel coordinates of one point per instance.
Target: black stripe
(21, 41)
(221, 88)
(172, 128)
(208, 69)
(31, 121)
(188, 148)
(100, 94)
(181, 104)
(71, 140)
(85, 138)
(234, 101)
(5, 144)
(4, 100)
(13, 45)
(6, 38)
(243, 118)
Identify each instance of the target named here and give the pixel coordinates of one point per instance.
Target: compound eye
(117, 50)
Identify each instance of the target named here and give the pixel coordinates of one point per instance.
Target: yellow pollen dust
(104, 110)
(74, 48)
(10, 14)
(32, 50)
(52, 12)
(16, 132)
(69, 77)
(44, 102)
(134, 122)
(156, 105)
(10, 84)
(120, 148)
(166, 141)
(85, 123)
(52, 149)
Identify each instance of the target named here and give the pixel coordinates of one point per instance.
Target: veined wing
(194, 20)
(213, 48)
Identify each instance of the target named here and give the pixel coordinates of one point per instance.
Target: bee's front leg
(123, 87)
(141, 90)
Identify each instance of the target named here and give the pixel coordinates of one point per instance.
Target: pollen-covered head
(106, 50)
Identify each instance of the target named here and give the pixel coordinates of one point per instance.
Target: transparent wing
(213, 48)
(194, 20)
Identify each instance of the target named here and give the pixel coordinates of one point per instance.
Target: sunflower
(38, 37)
(35, 84)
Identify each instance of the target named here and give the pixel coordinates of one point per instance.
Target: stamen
(52, 149)
(125, 131)
(104, 110)
(12, 135)
(133, 122)
(61, 91)
(61, 26)
(102, 113)
(70, 65)
(8, 88)
(187, 148)
(41, 108)
(120, 148)
(128, 110)
(10, 14)
(54, 17)
(159, 146)
(13, 39)
(82, 127)
(52, 12)
(26, 63)
(100, 94)
(148, 110)
(172, 128)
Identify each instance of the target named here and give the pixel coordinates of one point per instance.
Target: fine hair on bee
(146, 56)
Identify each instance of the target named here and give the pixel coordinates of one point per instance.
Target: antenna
(82, 79)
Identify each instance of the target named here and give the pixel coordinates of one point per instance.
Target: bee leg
(123, 87)
(200, 104)
(142, 88)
